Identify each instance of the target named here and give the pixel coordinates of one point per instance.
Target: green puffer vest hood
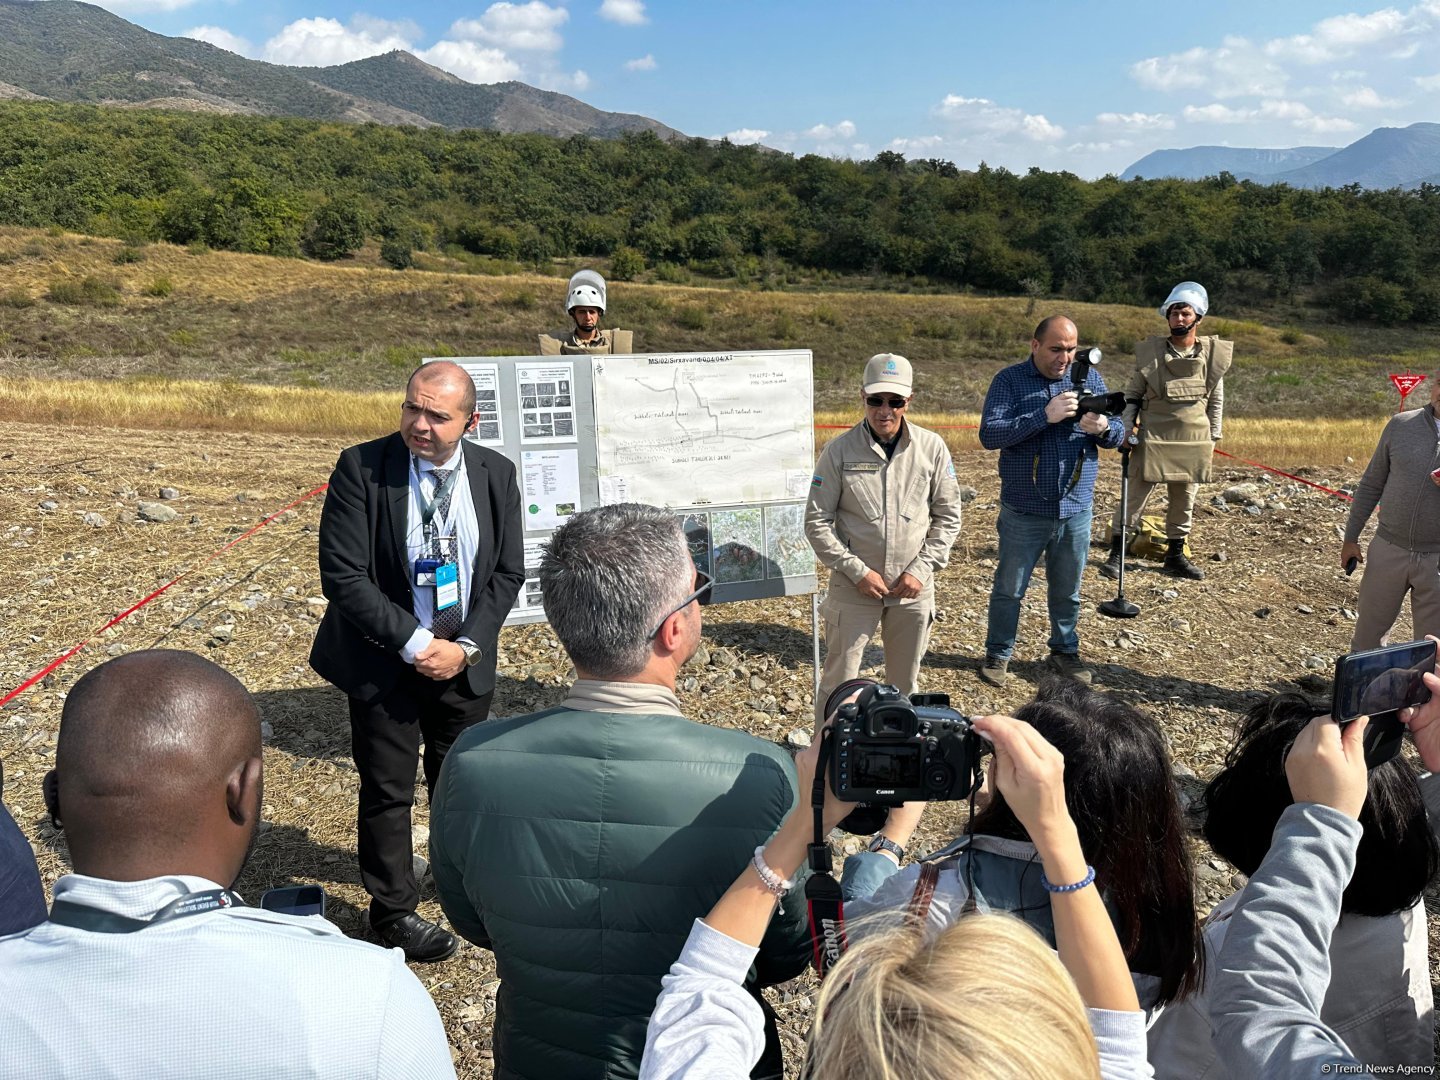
(585, 845)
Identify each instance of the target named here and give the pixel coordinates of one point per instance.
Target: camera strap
(85, 917)
(823, 899)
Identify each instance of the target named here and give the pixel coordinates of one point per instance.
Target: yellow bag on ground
(1147, 540)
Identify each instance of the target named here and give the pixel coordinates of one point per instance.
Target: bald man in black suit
(421, 557)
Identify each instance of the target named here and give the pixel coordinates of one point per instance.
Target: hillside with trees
(671, 211)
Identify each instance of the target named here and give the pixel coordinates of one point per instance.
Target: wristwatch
(472, 653)
(884, 843)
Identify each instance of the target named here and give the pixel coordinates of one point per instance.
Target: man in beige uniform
(1178, 393)
(585, 304)
(884, 512)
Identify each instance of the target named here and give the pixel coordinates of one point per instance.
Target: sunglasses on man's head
(701, 595)
(876, 400)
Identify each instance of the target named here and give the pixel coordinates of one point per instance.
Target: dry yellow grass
(188, 404)
(1284, 444)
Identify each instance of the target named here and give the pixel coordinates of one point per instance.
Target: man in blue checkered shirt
(1048, 460)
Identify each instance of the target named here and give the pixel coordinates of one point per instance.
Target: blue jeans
(1023, 538)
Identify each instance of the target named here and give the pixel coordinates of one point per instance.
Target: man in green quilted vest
(578, 843)
(1177, 393)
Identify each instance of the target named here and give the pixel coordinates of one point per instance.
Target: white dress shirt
(238, 993)
(461, 522)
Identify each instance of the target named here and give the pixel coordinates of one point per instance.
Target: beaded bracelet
(769, 878)
(1088, 879)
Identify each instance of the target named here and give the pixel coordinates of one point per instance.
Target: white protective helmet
(587, 289)
(1187, 292)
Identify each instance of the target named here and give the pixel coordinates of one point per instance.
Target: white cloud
(322, 42)
(1136, 121)
(473, 63)
(845, 129)
(380, 28)
(624, 12)
(1296, 114)
(1217, 114)
(643, 63)
(221, 38)
(918, 144)
(1365, 97)
(573, 82)
(1343, 35)
(981, 116)
(532, 27)
(745, 135)
(1326, 125)
(1235, 68)
(468, 52)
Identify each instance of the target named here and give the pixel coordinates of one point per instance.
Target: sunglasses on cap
(877, 400)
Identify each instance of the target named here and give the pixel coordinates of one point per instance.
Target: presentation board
(725, 440)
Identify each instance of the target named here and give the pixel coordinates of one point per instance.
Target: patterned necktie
(443, 624)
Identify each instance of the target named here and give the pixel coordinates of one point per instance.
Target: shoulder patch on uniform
(950, 467)
(815, 481)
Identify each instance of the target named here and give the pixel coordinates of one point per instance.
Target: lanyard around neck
(429, 506)
(85, 917)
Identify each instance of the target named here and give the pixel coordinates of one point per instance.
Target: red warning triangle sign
(1406, 383)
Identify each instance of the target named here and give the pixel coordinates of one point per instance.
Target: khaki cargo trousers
(1179, 506)
(850, 623)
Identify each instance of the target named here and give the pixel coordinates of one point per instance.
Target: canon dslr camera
(889, 749)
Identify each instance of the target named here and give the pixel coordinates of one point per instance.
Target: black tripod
(1119, 607)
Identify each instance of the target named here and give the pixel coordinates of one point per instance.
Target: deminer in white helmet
(585, 304)
(1177, 396)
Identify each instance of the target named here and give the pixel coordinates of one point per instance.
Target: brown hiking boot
(1070, 664)
(995, 672)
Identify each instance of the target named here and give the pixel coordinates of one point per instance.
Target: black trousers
(385, 738)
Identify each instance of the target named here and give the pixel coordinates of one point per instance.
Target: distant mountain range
(63, 50)
(1386, 158)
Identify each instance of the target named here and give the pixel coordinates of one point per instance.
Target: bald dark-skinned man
(150, 964)
(421, 557)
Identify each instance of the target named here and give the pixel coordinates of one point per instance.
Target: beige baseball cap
(887, 373)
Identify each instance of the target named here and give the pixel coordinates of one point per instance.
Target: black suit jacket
(365, 575)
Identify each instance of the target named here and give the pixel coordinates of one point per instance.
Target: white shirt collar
(134, 899)
(425, 465)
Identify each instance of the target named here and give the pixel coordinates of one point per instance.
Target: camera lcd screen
(1382, 680)
(890, 766)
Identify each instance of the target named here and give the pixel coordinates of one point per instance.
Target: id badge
(447, 586)
(425, 572)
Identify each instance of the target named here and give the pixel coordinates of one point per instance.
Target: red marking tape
(1288, 476)
(48, 668)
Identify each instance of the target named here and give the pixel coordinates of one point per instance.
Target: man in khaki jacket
(884, 512)
(585, 304)
(1178, 393)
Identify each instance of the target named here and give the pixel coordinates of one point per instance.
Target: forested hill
(68, 51)
(640, 206)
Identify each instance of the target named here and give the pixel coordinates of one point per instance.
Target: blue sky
(1085, 87)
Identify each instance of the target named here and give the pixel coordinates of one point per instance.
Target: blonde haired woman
(983, 998)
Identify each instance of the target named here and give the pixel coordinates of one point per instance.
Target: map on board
(704, 429)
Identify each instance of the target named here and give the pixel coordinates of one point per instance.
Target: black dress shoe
(423, 941)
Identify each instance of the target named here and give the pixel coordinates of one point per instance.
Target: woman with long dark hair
(1379, 1001)
(1120, 791)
